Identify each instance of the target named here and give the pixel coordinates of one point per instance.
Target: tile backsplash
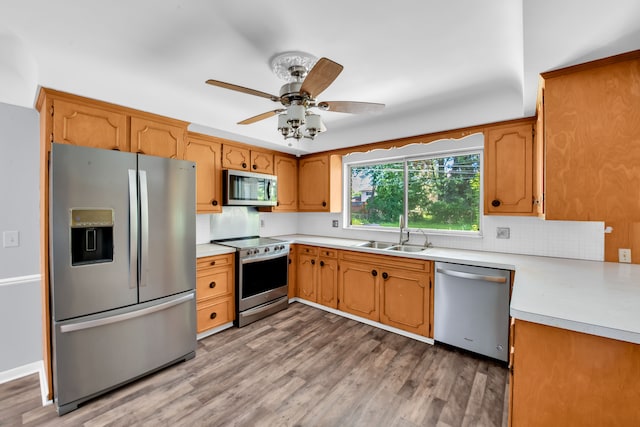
(530, 236)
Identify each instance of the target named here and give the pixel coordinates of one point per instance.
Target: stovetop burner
(247, 242)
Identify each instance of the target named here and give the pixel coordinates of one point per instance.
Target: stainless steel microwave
(249, 189)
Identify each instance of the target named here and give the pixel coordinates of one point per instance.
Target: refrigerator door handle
(144, 227)
(133, 229)
(126, 316)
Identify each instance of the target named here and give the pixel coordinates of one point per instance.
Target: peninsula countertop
(598, 298)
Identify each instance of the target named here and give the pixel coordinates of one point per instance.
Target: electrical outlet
(503, 232)
(335, 223)
(262, 223)
(624, 255)
(10, 239)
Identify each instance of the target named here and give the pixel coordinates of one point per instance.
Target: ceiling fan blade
(261, 117)
(243, 89)
(350, 107)
(320, 77)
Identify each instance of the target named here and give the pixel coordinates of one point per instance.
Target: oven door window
(260, 276)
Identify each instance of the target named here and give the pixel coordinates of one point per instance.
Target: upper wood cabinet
(509, 170)
(286, 169)
(320, 183)
(243, 158)
(205, 152)
(80, 124)
(156, 138)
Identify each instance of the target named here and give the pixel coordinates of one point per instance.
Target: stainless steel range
(262, 266)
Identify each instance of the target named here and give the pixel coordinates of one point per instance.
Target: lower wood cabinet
(215, 284)
(293, 268)
(317, 275)
(395, 291)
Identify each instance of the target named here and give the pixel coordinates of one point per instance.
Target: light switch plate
(503, 232)
(10, 239)
(334, 223)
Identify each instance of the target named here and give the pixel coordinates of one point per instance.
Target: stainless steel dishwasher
(471, 308)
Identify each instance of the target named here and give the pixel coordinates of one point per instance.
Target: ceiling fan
(307, 77)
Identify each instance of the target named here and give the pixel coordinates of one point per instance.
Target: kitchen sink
(377, 245)
(406, 248)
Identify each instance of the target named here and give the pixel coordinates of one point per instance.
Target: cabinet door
(306, 276)
(328, 282)
(313, 184)
(235, 157)
(157, 138)
(78, 124)
(404, 300)
(261, 162)
(293, 268)
(509, 170)
(286, 169)
(358, 289)
(206, 154)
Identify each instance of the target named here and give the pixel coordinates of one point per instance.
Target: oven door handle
(264, 258)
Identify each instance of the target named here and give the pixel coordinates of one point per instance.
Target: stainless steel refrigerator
(122, 268)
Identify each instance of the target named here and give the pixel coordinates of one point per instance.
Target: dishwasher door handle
(472, 276)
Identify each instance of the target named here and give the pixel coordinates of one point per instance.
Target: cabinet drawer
(214, 314)
(214, 261)
(310, 250)
(328, 253)
(216, 282)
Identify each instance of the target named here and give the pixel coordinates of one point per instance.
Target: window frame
(470, 145)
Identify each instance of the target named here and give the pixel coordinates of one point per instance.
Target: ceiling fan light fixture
(283, 125)
(296, 115)
(282, 63)
(314, 125)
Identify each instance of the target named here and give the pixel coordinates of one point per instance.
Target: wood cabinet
(508, 172)
(214, 291)
(394, 291)
(286, 169)
(293, 268)
(156, 138)
(76, 123)
(561, 377)
(404, 299)
(320, 183)
(244, 158)
(306, 272)
(205, 152)
(317, 275)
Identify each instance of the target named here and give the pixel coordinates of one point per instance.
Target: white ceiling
(437, 65)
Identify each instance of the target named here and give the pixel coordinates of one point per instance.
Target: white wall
(20, 296)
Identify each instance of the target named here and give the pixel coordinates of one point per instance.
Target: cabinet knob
(244, 165)
(213, 263)
(213, 315)
(214, 203)
(374, 273)
(254, 167)
(385, 276)
(212, 285)
(321, 263)
(289, 260)
(313, 262)
(324, 204)
(495, 203)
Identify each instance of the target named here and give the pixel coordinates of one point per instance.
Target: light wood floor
(299, 367)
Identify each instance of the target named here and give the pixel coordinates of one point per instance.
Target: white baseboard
(366, 321)
(29, 369)
(214, 330)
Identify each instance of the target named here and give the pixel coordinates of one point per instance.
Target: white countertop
(598, 298)
(211, 249)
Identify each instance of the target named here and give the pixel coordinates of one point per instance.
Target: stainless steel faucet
(427, 243)
(403, 229)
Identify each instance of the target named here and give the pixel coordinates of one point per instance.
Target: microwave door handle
(133, 229)
(268, 189)
(144, 228)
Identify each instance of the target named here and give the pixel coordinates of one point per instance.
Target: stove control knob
(266, 250)
(256, 251)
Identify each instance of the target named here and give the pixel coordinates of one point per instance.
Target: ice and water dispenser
(91, 236)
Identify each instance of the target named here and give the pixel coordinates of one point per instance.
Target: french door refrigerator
(122, 268)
